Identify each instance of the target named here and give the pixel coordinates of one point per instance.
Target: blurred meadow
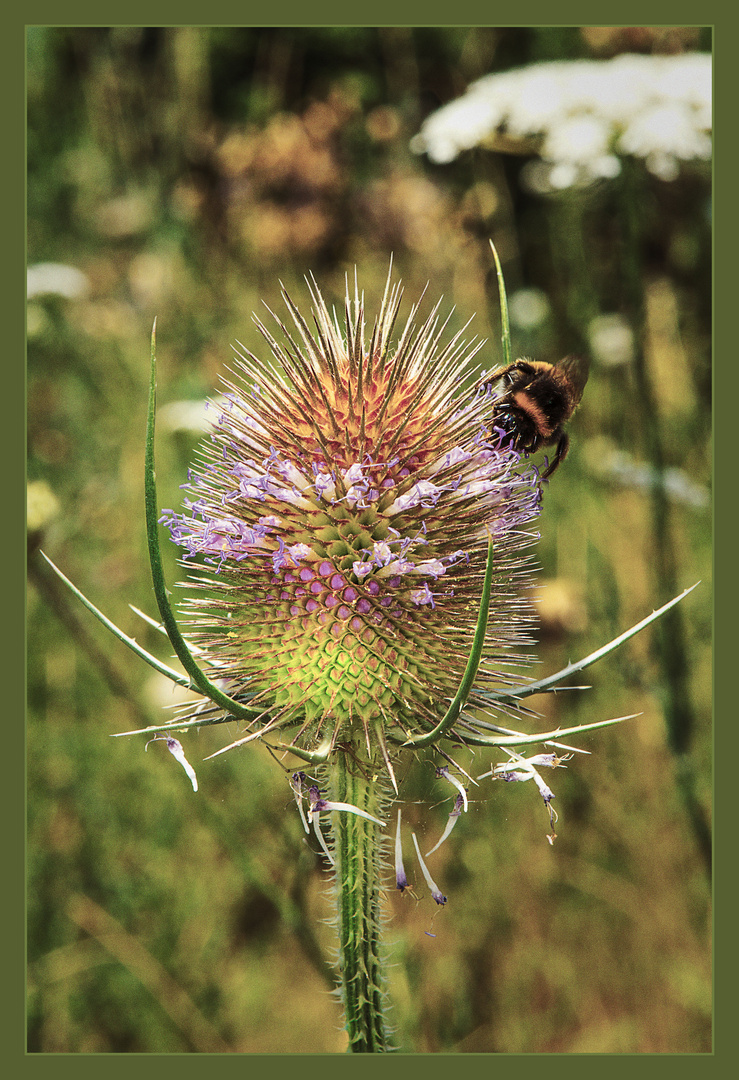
(184, 173)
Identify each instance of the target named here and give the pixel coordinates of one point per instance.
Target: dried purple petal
(175, 748)
(401, 881)
(435, 890)
(444, 771)
(451, 822)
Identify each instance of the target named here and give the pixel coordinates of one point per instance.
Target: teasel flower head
(342, 512)
(362, 530)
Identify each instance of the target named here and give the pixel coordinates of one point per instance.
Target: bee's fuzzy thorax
(538, 417)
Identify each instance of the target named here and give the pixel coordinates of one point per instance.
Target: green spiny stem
(358, 847)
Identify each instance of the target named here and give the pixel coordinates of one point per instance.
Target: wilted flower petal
(401, 881)
(297, 783)
(435, 890)
(319, 805)
(175, 748)
(525, 769)
(451, 822)
(444, 771)
(321, 840)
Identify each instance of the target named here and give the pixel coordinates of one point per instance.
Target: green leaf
(542, 685)
(132, 644)
(199, 679)
(545, 736)
(504, 323)
(473, 663)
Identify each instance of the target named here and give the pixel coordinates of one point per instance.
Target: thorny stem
(358, 849)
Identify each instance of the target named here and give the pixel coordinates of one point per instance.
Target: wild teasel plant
(358, 534)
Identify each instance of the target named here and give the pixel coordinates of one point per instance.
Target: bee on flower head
(533, 402)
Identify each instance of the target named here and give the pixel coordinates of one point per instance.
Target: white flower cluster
(586, 113)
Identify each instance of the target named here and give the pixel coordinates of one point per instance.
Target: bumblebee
(534, 402)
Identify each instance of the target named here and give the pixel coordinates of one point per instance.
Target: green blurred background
(186, 172)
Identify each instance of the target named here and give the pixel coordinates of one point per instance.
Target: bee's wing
(576, 370)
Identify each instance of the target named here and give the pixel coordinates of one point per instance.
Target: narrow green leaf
(546, 736)
(543, 685)
(504, 322)
(199, 679)
(473, 663)
(176, 725)
(133, 645)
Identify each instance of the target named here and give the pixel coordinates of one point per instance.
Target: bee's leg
(559, 455)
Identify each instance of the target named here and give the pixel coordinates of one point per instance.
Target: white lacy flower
(585, 112)
(663, 134)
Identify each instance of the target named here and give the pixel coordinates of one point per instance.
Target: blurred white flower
(663, 134)
(56, 279)
(611, 340)
(583, 113)
(528, 308)
(189, 416)
(581, 142)
(678, 486)
(195, 417)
